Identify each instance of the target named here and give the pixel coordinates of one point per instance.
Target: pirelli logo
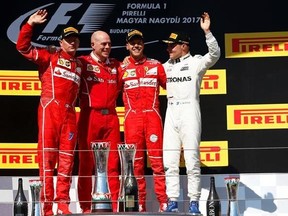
(266, 116)
(214, 153)
(267, 44)
(213, 82)
(18, 156)
(24, 83)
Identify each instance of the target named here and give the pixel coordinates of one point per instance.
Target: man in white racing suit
(182, 128)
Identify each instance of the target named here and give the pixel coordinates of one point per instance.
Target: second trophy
(101, 196)
(128, 193)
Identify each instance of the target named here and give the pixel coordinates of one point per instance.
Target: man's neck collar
(97, 59)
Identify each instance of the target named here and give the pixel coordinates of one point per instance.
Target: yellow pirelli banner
(18, 156)
(257, 116)
(24, 155)
(257, 44)
(26, 83)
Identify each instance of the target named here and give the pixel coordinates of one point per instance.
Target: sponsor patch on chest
(148, 82)
(129, 73)
(129, 84)
(93, 68)
(152, 71)
(64, 63)
(143, 82)
(186, 67)
(65, 74)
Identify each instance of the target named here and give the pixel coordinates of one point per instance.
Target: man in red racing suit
(59, 74)
(141, 80)
(98, 118)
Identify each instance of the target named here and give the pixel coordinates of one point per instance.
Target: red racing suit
(59, 74)
(143, 123)
(98, 120)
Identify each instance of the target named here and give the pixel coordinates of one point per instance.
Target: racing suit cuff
(209, 36)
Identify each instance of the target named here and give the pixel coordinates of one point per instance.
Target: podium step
(133, 213)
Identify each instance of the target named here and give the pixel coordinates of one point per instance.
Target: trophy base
(101, 210)
(101, 207)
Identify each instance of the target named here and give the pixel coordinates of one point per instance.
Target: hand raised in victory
(38, 17)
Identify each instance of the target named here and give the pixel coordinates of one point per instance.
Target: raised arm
(23, 44)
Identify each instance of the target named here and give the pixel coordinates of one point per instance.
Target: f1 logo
(90, 20)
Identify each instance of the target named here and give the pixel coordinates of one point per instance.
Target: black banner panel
(243, 101)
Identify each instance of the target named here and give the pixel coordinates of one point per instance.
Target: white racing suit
(182, 128)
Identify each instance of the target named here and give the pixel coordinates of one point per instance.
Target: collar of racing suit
(175, 61)
(66, 55)
(134, 61)
(96, 58)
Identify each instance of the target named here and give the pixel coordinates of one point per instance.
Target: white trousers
(182, 129)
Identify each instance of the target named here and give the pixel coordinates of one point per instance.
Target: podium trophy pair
(101, 196)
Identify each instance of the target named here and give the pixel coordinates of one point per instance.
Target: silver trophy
(232, 184)
(101, 196)
(126, 153)
(35, 187)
